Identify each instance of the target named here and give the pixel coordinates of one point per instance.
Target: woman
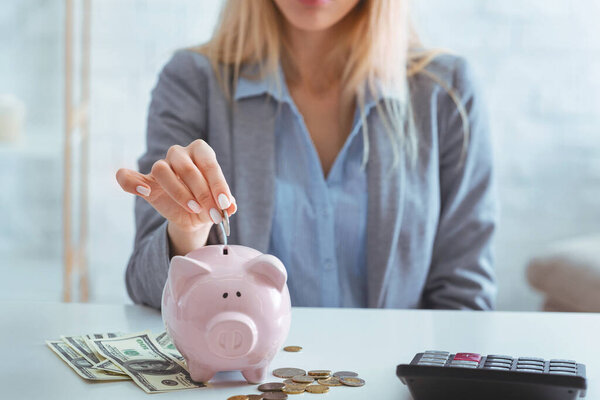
(357, 158)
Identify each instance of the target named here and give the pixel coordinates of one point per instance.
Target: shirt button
(328, 264)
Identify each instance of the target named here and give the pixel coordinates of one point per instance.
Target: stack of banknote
(152, 362)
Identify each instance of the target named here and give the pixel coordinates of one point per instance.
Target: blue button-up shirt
(319, 224)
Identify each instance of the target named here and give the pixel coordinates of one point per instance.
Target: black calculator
(438, 375)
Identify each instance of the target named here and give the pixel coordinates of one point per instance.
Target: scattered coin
(288, 372)
(255, 397)
(317, 389)
(325, 373)
(292, 349)
(352, 381)
(291, 382)
(238, 397)
(345, 373)
(303, 379)
(274, 396)
(294, 388)
(271, 387)
(331, 381)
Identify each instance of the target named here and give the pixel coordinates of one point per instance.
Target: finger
(191, 176)
(134, 182)
(233, 208)
(204, 157)
(174, 187)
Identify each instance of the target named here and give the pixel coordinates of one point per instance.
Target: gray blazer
(430, 225)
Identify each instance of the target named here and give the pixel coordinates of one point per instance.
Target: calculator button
(434, 356)
(563, 361)
(497, 357)
(467, 357)
(557, 364)
(464, 362)
(443, 353)
(557, 372)
(529, 363)
(499, 363)
(535, 371)
(531, 359)
(519, 367)
(573, 370)
(497, 367)
(431, 364)
(433, 360)
(563, 366)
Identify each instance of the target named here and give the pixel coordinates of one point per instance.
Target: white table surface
(370, 342)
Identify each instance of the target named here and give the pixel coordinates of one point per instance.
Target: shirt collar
(274, 85)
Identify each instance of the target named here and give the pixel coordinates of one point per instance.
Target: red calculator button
(467, 357)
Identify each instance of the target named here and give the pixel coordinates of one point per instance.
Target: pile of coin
(297, 381)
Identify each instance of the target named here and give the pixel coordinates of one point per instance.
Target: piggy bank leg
(255, 375)
(199, 373)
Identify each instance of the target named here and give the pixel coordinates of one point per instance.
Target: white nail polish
(224, 202)
(144, 191)
(195, 207)
(215, 216)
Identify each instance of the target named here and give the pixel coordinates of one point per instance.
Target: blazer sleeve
(461, 273)
(177, 115)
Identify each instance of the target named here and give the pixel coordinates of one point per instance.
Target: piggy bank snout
(231, 334)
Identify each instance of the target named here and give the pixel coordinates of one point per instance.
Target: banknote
(165, 341)
(146, 362)
(88, 340)
(109, 366)
(78, 343)
(84, 346)
(80, 364)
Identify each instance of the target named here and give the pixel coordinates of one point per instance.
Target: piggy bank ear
(269, 269)
(182, 272)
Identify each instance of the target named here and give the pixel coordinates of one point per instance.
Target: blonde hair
(379, 44)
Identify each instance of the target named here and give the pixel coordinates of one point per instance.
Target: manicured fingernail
(215, 216)
(224, 202)
(143, 190)
(195, 207)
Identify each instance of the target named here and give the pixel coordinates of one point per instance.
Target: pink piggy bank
(227, 308)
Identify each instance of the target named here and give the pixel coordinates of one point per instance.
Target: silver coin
(226, 222)
(288, 372)
(271, 387)
(352, 381)
(339, 374)
(223, 234)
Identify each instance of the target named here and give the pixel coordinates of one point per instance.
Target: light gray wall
(536, 62)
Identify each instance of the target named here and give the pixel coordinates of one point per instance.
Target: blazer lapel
(253, 163)
(384, 211)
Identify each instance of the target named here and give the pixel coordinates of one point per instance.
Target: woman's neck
(308, 51)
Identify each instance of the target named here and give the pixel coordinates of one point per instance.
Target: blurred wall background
(536, 62)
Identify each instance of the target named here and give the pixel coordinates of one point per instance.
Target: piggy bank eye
(238, 294)
(225, 295)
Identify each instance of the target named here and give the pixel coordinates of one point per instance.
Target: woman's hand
(188, 189)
